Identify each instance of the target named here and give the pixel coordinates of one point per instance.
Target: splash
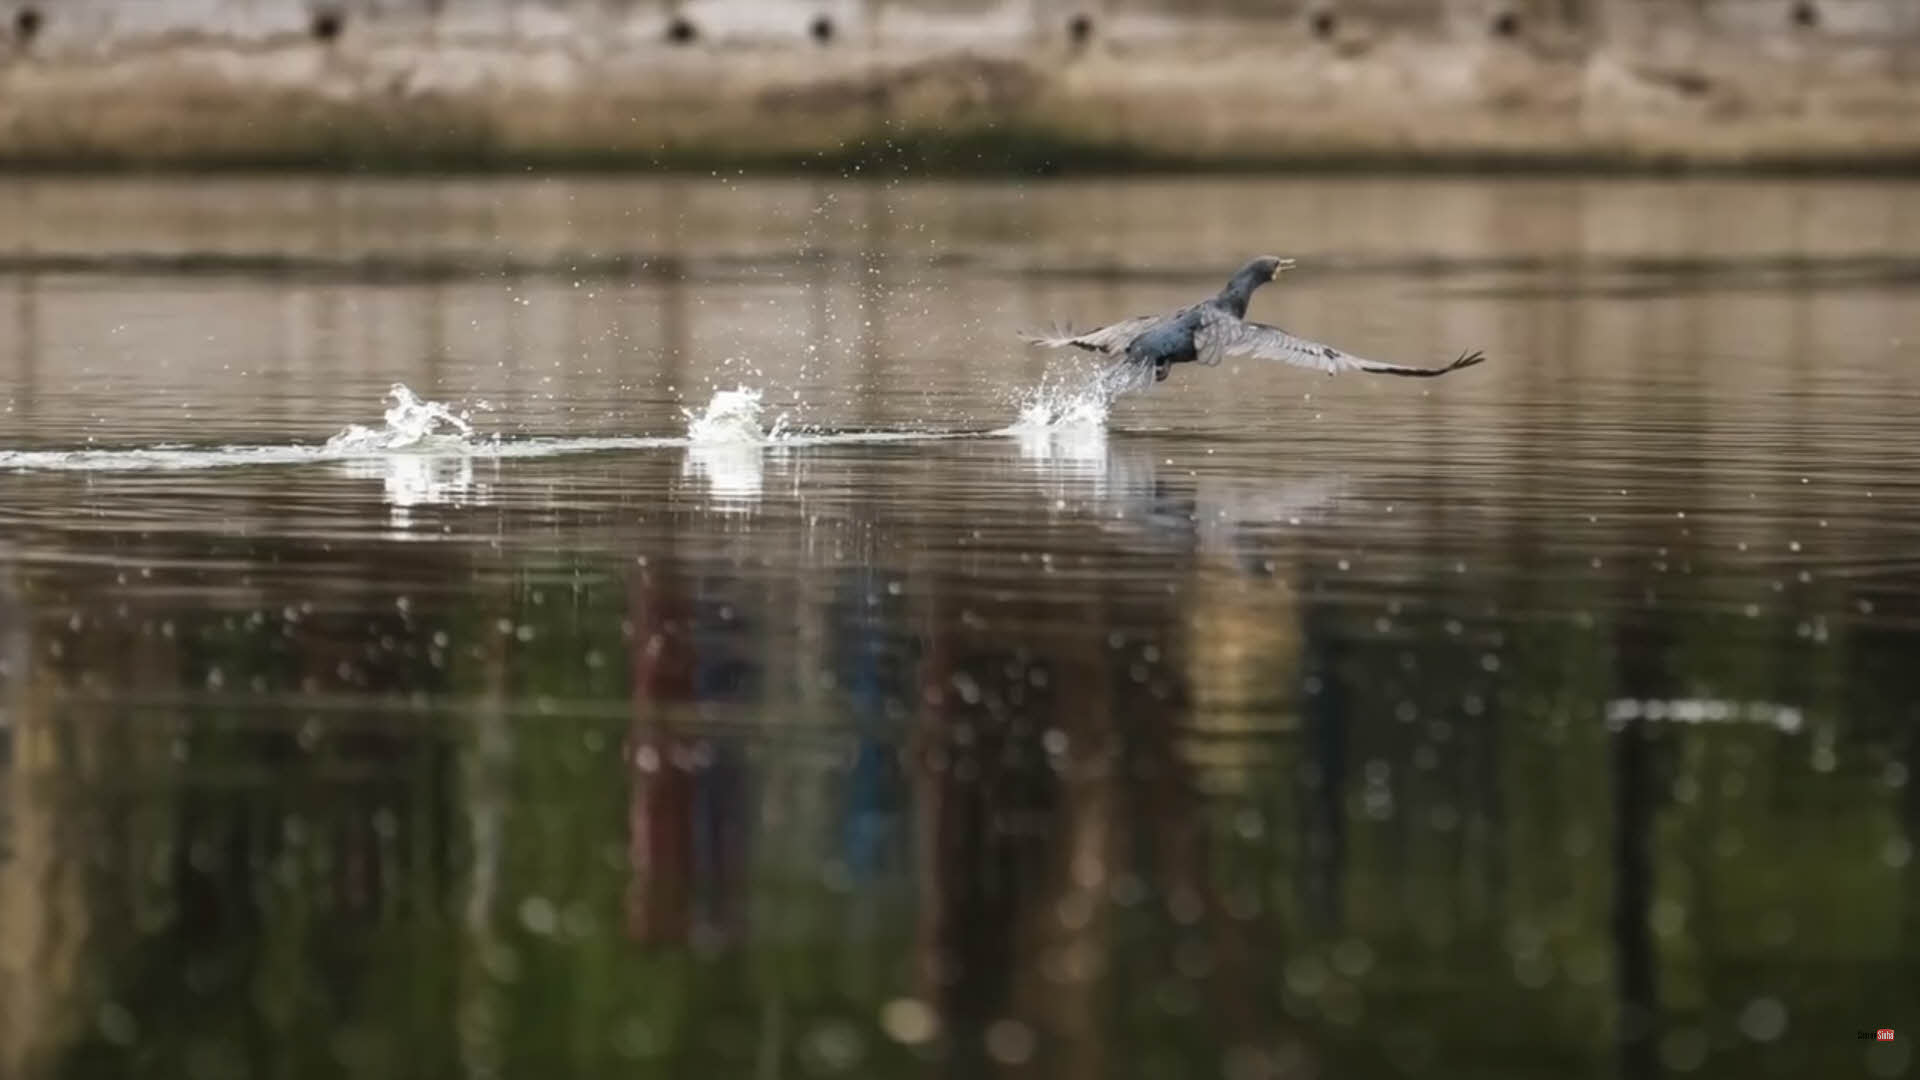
(1049, 409)
(412, 427)
(1079, 400)
(155, 458)
(1065, 419)
(415, 427)
(411, 424)
(732, 418)
(726, 444)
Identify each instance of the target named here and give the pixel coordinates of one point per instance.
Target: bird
(1215, 329)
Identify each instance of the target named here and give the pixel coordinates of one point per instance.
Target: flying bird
(1215, 329)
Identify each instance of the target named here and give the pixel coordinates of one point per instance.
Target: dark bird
(1212, 330)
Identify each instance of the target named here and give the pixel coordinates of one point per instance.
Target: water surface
(1553, 718)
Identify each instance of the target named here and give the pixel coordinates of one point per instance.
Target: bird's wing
(1107, 339)
(1221, 336)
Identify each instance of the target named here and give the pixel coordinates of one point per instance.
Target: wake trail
(415, 427)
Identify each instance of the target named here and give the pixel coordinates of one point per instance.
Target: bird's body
(1169, 341)
(1217, 328)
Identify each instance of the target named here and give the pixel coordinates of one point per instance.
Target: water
(733, 653)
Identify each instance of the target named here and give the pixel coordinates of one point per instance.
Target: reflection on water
(731, 472)
(410, 480)
(1555, 719)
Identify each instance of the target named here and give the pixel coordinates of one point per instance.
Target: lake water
(1555, 718)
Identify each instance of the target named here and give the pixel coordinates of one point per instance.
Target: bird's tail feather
(1126, 376)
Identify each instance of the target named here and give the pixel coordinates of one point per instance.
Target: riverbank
(1165, 94)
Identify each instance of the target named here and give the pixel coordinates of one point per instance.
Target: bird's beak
(1284, 266)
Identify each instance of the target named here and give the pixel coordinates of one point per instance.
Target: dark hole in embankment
(1323, 24)
(681, 31)
(1506, 24)
(1080, 29)
(327, 24)
(1806, 15)
(822, 30)
(27, 23)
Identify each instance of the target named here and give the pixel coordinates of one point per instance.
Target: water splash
(1066, 420)
(413, 427)
(726, 446)
(1049, 410)
(165, 457)
(1081, 398)
(732, 418)
(416, 427)
(411, 424)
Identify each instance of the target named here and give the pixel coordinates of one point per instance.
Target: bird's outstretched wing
(1221, 336)
(1107, 339)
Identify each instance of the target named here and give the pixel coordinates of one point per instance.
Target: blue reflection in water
(872, 829)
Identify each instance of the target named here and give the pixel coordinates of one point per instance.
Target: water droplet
(1668, 917)
(909, 1021)
(117, 1025)
(1764, 1019)
(538, 915)
(1010, 1042)
(1306, 975)
(1533, 969)
(836, 1046)
(1684, 1049)
(1352, 958)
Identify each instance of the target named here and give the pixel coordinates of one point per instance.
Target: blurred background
(960, 85)
(530, 543)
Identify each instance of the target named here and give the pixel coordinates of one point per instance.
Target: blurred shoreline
(990, 88)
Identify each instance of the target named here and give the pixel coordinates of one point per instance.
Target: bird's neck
(1238, 293)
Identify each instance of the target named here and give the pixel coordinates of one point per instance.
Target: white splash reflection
(733, 473)
(412, 480)
(1067, 463)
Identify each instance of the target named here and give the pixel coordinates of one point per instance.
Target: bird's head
(1250, 277)
(1267, 267)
